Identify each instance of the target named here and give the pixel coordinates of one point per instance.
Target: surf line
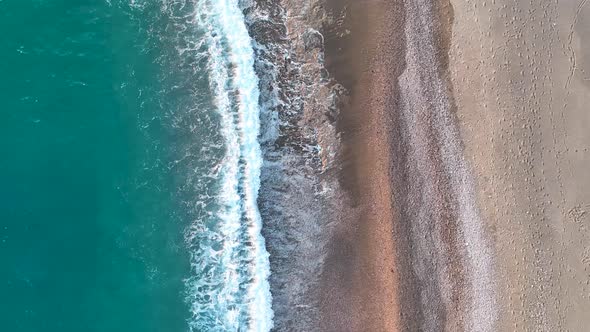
(243, 301)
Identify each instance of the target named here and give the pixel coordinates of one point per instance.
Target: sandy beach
(465, 149)
(520, 77)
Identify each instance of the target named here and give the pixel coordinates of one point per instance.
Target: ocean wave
(230, 290)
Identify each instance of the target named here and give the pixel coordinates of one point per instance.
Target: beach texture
(465, 147)
(520, 75)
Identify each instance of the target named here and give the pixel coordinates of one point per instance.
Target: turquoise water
(130, 168)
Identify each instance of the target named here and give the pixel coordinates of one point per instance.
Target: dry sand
(520, 73)
(466, 148)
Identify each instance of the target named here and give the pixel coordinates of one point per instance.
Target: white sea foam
(235, 276)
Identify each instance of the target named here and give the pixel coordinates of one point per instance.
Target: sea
(130, 168)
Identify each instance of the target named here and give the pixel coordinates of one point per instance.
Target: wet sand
(361, 275)
(466, 154)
